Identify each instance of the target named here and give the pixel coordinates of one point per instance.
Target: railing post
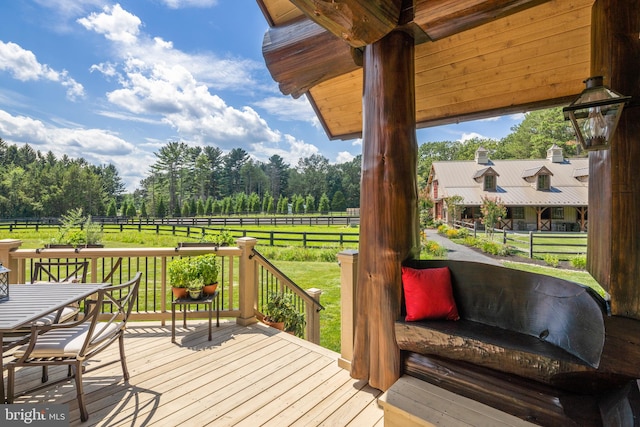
(313, 317)
(6, 247)
(247, 282)
(531, 244)
(348, 261)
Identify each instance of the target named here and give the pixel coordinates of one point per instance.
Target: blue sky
(114, 82)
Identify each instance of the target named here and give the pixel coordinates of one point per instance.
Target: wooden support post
(389, 200)
(312, 329)
(247, 282)
(348, 260)
(6, 246)
(614, 188)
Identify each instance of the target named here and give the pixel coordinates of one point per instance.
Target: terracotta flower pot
(277, 325)
(210, 289)
(179, 292)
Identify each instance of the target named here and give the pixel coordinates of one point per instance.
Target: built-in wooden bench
(527, 344)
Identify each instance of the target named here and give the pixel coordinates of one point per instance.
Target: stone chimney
(482, 156)
(554, 154)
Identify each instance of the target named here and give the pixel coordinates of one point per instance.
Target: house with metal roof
(539, 194)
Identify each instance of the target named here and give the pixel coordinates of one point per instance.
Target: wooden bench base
(411, 402)
(528, 400)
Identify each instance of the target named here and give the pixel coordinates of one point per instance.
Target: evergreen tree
(208, 207)
(161, 209)
(112, 210)
(298, 204)
(200, 208)
(131, 210)
(193, 207)
(339, 203)
(177, 212)
(310, 204)
(323, 205)
(123, 208)
(143, 210)
(186, 209)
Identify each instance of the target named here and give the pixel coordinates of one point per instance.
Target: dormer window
(489, 183)
(544, 182)
(488, 177)
(539, 178)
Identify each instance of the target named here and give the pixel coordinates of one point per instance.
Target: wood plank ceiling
(474, 59)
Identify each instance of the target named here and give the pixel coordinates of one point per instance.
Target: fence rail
(307, 239)
(535, 243)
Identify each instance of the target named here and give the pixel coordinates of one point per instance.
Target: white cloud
(115, 23)
(24, 66)
(471, 135)
(344, 157)
(291, 152)
(179, 4)
(97, 146)
(517, 117)
(155, 83)
(287, 108)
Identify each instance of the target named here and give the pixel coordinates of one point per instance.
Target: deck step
(411, 402)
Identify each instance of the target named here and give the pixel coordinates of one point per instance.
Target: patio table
(28, 303)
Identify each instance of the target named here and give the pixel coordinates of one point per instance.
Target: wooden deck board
(244, 376)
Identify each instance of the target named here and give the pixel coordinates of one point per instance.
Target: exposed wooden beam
(302, 54)
(443, 18)
(358, 22)
(613, 251)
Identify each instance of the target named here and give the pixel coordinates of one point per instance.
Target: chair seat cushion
(67, 313)
(67, 342)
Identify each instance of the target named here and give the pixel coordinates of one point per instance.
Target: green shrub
(462, 233)
(579, 262)
(491, 247)
(452, 233)
(470, 241)
(442, 229)
(551, 260)
(434, 249)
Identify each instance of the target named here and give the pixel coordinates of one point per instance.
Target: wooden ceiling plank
(509, 33)
(279, 12)
(358, 22)
(442, 18)
(514, 61)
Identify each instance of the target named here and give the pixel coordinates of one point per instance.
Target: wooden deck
(245, 376)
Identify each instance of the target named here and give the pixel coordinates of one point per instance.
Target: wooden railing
(270, 279)
(237, 279)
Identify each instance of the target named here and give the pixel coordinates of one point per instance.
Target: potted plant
(280, 312)
(77, 231)
(181, 274)
(206, 270)
(195, 288)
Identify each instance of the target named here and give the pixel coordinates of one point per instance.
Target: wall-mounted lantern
(595, 113)
(4, 282)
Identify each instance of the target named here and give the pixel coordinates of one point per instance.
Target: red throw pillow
(428, 294)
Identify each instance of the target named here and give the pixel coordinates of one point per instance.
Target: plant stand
(207, 300)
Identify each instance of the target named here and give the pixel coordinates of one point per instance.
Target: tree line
(189, 180)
